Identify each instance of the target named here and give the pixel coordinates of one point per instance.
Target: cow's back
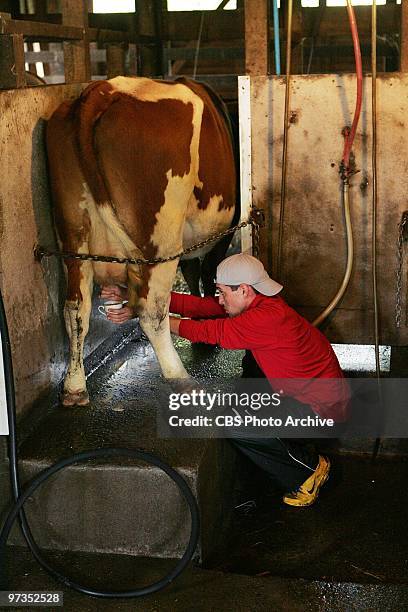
(157, 160)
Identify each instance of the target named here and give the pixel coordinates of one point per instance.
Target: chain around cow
(256, 219)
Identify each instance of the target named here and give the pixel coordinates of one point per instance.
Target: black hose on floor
(20, 498)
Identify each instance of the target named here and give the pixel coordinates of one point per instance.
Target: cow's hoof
(75, 399)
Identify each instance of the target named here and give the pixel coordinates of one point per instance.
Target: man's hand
(174, 325)
(114, 292)
(120, 315)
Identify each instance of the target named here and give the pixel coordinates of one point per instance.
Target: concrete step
(121, 506)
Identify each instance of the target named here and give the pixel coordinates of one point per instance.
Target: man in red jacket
(250, 314)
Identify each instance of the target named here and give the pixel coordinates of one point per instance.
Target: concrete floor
(348, 552)
(199, 590)
(356, 531)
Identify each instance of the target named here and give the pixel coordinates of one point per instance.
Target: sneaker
(307, 493)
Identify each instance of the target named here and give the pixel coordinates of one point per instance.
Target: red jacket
(286, 347)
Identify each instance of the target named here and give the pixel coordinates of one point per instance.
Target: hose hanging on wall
(346, 171)
(20, 498)
(285, 139)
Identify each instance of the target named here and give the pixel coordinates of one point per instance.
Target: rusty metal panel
(314, 244)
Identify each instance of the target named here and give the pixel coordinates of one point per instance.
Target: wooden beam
(115, 60)
(38, 31)
(256, 37)
(334, 21)
(12, 69)
(146, 26)
(229, 25)
(108, 36)
(77, 65)
(404, 37)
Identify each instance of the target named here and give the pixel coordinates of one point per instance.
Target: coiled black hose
(17, 509)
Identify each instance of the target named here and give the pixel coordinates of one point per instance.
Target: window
(113, 6)
(354, 2)
(315, 3)
(199, 5)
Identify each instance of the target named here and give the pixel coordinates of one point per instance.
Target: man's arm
(180, 303)
(248, 330)
(195, 307)
(174, 325)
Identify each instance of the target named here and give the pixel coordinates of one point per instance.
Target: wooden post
(115, 60)
(404, 37)
(77, 64)
(256, 37)
(12, 68)
(146, 27)
(158, 30)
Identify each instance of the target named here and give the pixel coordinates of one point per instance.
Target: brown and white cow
(139, 168)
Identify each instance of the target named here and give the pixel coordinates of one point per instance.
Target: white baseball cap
(243, 268)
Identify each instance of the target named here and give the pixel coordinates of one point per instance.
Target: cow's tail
(88, 109)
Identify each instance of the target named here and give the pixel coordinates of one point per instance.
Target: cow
(139, 168)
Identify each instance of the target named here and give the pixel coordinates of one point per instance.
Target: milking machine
(8, 427)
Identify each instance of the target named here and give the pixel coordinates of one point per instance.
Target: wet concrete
(125, 392)
(197, 589)
(348, 552)
(356, 532)
(121, 505)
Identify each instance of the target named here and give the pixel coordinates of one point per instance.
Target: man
(250, 314)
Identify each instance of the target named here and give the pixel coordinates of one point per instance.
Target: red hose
(349, 138)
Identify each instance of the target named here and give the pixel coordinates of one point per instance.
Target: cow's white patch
(202, 223)
(167, 237)
(107, 237)
(147, 90)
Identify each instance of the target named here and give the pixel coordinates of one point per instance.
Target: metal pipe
(285, 138)
(374, 170)
(276, 36)
(377, 443)
(197, 49)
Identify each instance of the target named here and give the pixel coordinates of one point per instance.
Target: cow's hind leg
(191, 269)
(77, 311)
(153, 311)
(210, 263)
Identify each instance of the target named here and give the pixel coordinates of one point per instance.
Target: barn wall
(33, 292)
(314, 251)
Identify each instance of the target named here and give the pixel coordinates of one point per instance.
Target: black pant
(288, 462)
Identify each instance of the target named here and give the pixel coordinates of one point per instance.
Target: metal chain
(256, 219)
(400, 255)
(255, 236)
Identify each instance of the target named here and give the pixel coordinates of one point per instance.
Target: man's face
(233, 302)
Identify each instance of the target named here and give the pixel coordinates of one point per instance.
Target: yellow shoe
(307, 493)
